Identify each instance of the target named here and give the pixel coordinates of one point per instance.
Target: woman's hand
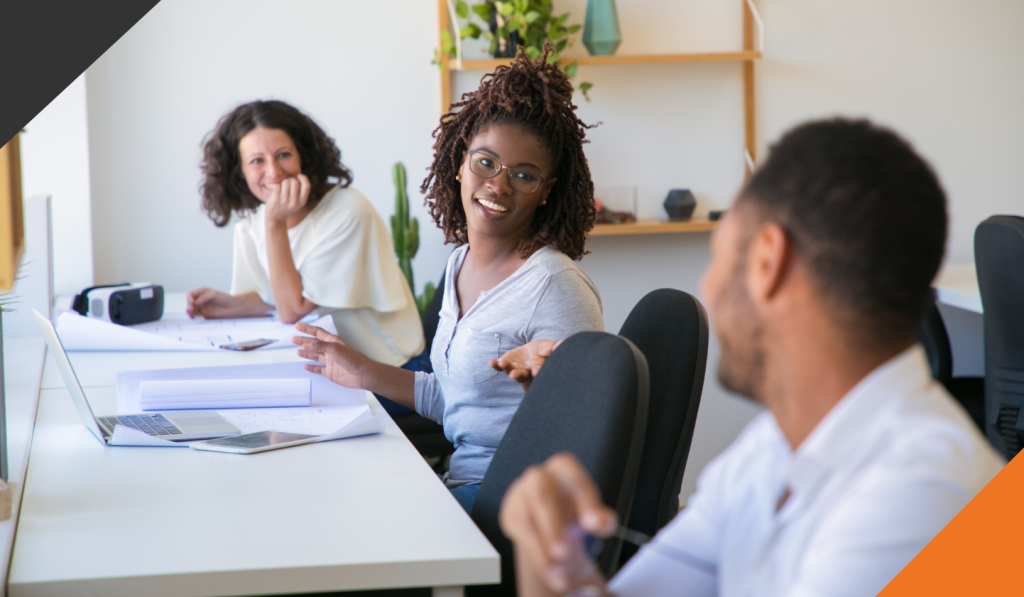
(211, 304)
(522, 364)
(214, 304)
(287, 198)
(536, 511)
(342, 364)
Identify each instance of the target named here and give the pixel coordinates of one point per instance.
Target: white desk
(23, 366)
(957, 286)
(360, 513)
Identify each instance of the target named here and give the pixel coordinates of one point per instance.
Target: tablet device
(250, 443)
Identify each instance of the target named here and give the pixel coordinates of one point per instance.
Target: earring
(458, 177)
(544, 202)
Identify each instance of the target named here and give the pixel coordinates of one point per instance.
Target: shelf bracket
(757, 20)
(749, 160)
(457, 35)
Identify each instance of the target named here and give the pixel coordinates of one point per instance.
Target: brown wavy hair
(224, 189)
(538, 97)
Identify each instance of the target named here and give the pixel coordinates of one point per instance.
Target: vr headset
(124, 304)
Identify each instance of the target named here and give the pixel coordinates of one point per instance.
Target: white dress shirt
(345, 257)
(889, 466)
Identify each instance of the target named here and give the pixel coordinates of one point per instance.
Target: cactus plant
(405, 232)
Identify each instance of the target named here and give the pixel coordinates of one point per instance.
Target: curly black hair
(537, 96)
(224, 189)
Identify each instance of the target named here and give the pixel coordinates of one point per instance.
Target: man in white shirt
(815, 289)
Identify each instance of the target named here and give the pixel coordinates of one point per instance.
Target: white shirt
(346, 259)
(889, 466)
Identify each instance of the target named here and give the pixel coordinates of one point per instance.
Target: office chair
(999, 259)
(670, 328)
(968, 391)
(589, 399)
(426, 435)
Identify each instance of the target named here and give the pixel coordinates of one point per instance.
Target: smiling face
(268, 156)
(493, 207)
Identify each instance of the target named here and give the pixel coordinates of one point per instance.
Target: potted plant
(405, 232)
(511, 23)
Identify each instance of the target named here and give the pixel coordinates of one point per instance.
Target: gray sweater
(548, 297)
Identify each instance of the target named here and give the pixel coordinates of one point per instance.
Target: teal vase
(601, 32)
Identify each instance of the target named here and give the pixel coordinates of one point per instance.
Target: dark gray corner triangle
(46, 44)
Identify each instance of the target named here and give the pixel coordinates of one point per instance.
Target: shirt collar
(847, 427)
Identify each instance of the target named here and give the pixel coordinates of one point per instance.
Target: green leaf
(412, 238)
(584, 87)
(506, 8)
(571, 69)
(523, 5)
(561, 45)
(532, 16)
(482, 10)
(470, 30)
(461, 9)
(560, 20)
(488, 36)
(533, 52)
(572, 29)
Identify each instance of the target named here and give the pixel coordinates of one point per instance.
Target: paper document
(188, 394)
(334, 412)
(177, 331)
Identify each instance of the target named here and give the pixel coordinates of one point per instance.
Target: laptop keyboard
(149, 424)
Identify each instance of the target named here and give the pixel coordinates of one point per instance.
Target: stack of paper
(189, 394)
(177, 331)
(334, 412)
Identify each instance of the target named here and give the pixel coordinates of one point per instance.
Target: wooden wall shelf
(492, 63)
(653, 227)
(12, 227)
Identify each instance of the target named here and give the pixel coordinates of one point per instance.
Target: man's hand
(537, 509)
(522, 364)
(342, 364)
(287, 198)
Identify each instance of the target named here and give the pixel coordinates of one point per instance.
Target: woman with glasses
(511, 187)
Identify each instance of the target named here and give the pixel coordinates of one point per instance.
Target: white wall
(158, 91)
(55, 161)
(942, 72)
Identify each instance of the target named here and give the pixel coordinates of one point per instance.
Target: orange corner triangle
(979, 551)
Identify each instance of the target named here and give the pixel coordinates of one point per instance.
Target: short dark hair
(865, 213)
(224, 189)
(537, 96)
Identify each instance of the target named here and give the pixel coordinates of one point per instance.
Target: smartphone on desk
(248, 344)
(251, 443)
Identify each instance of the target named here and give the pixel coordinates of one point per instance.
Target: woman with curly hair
(511, 187)
(303, 242)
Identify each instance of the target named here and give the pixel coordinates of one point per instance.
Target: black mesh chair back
(590, 399)
(433, 315)
(999, 258)
(671, 328)
(968, 391)
(932, 335)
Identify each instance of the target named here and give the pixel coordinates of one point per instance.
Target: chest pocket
(477, 349)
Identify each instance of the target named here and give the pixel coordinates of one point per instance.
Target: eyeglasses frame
(543, 179)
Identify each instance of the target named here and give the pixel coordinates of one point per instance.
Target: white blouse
(345, 257)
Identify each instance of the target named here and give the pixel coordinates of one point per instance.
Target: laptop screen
(60, 357)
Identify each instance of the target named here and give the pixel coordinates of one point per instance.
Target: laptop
(175, 425)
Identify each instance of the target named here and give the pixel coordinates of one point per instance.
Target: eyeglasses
(521, 179)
